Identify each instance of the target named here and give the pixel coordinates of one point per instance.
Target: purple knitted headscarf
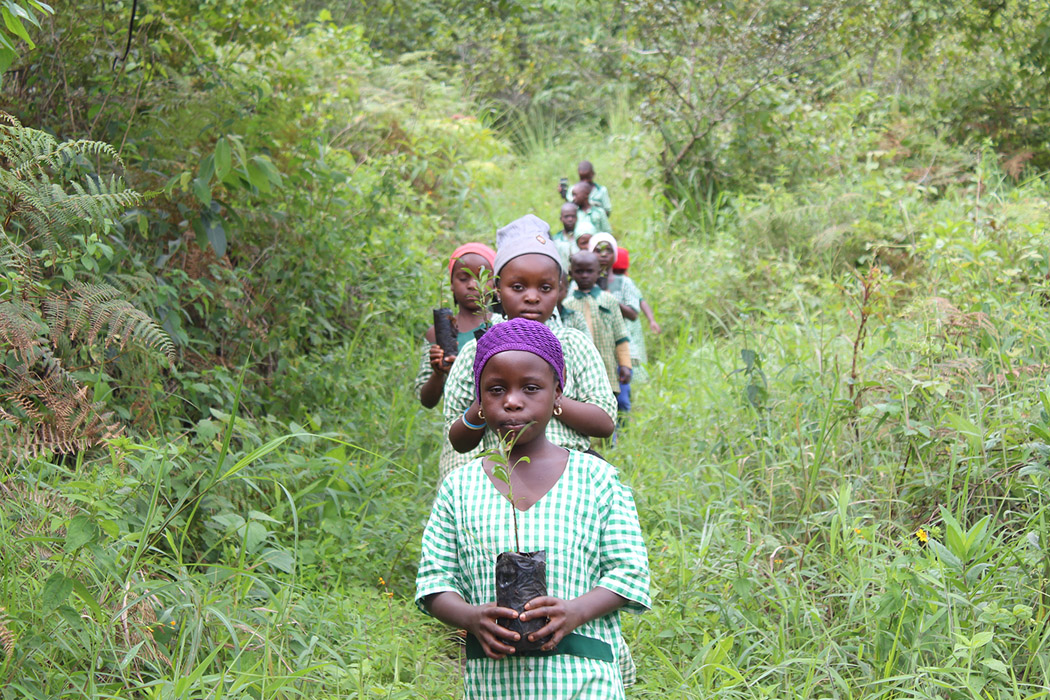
(519, 334)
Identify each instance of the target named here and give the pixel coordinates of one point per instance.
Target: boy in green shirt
(599, 194)
(604, 319)
(565, 240)
(589, 218)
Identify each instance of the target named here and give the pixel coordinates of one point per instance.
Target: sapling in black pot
(445, 331)
(520, 576)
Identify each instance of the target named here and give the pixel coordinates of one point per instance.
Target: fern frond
(97, 206)
(57, 155)
(90, 309)
(18, 329)
(19, 258)
(7, 637)
(10, 119)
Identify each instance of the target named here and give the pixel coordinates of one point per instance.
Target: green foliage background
(838, 213)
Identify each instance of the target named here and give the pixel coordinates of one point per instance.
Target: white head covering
(599, 238)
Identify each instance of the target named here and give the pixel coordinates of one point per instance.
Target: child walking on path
(631, 302)
(589, 218)
(604, 319)
(569, 503)
(528, 278)
(465, 269)
(599, 194)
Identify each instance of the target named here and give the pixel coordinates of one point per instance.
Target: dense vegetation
(225, 222)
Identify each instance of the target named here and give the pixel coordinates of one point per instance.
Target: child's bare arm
(463, 438)
(629, 312)
(479, 620)
(434, 386)
(586, 418)
(566, 615)
(648, 311)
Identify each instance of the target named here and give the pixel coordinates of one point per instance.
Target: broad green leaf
(56, 592)
(222, 159)
(282, 561)
(202, 191)
(7, 56)
(80, 531)
(980, 639)
(257, 176)
(16, 27)
(216, 236)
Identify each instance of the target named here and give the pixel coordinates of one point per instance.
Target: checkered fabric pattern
(627, 293)
(587, 523)
(571, 319)
(585, 380)
(450, 460)
(608, 329)
(425, 370)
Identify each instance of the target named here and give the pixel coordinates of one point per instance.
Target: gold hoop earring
(480, 414)
(557, 409)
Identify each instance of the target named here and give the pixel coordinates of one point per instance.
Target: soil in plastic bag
(520, 577)
(444, 332)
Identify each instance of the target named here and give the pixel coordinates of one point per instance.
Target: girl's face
(465, 274)
(606, 256)
(518, 388)
(528, 287)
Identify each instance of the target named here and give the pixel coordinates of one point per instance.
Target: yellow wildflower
(922, 535)
(381, 581)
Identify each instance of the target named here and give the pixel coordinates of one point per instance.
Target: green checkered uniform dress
(585, 380)
(609, 329)
(627, 293)
(587, 523)
(450, 459)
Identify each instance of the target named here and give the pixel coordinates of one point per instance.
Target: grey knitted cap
(529, 234)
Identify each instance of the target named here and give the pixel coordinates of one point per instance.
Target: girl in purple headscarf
(569, 503)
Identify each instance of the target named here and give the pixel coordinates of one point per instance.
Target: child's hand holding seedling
(439, 361)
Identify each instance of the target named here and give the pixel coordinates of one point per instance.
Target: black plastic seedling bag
(520, 577)
(444, 332)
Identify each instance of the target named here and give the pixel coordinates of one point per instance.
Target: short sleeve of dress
(425, 370)
(624, 560)
(631, 295)
(439, 569)
(586, 379)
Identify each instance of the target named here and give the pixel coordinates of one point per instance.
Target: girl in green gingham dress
(570, 504)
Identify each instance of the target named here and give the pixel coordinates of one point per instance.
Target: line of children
(570, 504)
(528, 278)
